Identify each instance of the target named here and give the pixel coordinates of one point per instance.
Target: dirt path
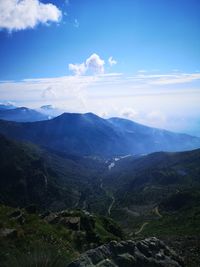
(141, 228)
(108, 195)
(111, 205)
(156, 210)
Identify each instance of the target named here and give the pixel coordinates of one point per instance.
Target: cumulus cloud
(112, 61)
(22, 14)
(93, 65)
(78, 69)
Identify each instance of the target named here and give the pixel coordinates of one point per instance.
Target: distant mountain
(6, 106)
(88, 134)
(146, 139)
(22, 114)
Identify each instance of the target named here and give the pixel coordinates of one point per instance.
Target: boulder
(150, 252)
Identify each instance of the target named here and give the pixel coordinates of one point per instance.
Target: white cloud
(179, 78)
(78, 69)
(112, 61)
(93, 65)
(166, 79)
(129, 113)
(22, 14)
(140, 100)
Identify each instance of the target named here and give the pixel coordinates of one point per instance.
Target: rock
(18, 216)
(45, 214)
(15, 214)
(8, 232)
(150, 252)
(72, 223)
(52, 218)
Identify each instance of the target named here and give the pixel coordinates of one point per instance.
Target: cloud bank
(172, 103)
(18, 15)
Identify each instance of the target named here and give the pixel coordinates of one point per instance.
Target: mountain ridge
(88, 134)
(22, 114)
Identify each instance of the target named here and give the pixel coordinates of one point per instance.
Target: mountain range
(21, 114)
(87, 134)
(117, 179)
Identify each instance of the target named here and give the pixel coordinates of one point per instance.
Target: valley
(88, 200)
(99, 133)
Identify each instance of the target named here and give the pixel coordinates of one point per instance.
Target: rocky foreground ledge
(150, 252)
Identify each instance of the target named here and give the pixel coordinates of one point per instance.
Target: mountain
(88, 134)
(22, 114)
(147, 139)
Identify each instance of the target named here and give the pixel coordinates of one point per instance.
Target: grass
(39, 243)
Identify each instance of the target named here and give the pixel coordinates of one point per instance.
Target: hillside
(30, 175)
(31, 239)
(160, 190)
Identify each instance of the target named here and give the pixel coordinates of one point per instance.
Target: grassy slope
(36, 234)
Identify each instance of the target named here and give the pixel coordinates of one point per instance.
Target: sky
(137, 59)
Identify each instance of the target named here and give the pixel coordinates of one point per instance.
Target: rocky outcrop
(18, 216)
(150, 252)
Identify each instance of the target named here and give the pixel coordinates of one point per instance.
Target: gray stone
(150, 252)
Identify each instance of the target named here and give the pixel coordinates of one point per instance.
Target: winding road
(108, 195)
(111, 205)
(141, 228)
(156, 210)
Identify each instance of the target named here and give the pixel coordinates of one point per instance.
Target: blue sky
(59, 54)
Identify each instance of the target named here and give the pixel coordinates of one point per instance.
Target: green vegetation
(153, 195)
(55, 236)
